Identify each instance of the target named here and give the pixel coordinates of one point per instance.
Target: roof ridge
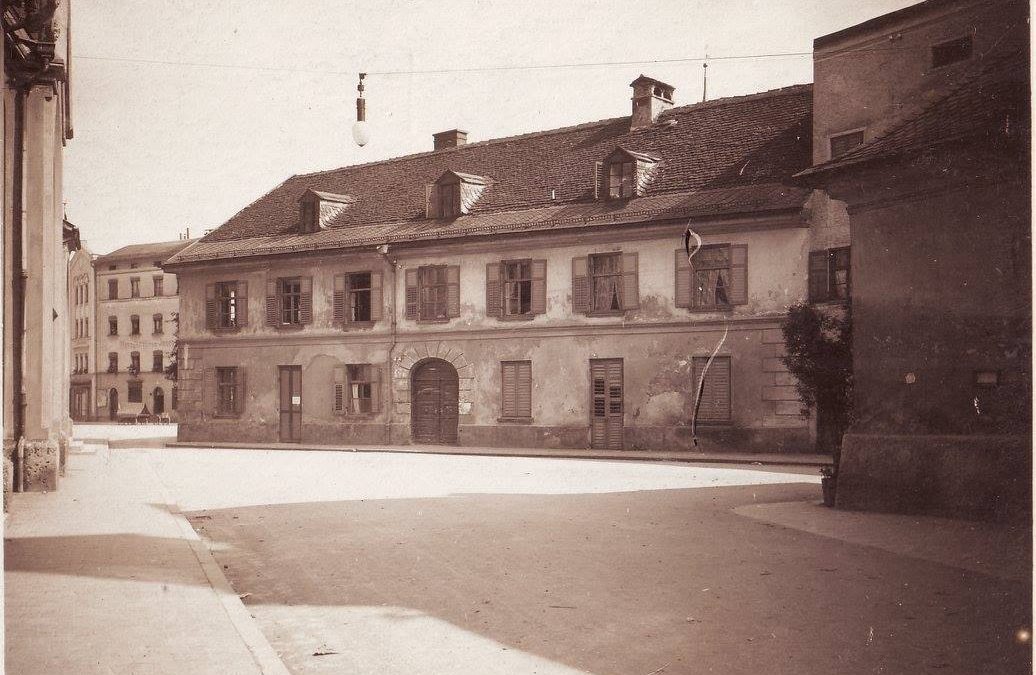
(118, 251)
(727, 100)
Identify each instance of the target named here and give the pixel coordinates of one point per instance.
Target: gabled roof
(642, 156)
(328, 197)
(747, 144)
(148, 252)
(983, 107)
(465, 177)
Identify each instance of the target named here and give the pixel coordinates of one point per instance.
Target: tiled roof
(149, 252)
(704, 203)
(984, 107)
(727, 143)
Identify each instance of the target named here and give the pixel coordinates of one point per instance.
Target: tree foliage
(818, 346)
(172, 367)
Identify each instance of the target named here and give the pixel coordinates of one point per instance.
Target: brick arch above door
(410, 355)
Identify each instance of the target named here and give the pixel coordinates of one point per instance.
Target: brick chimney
(650, 98)
(449, 139)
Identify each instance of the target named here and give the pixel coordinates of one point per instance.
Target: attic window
(951, 51)
(319, 210)
(843, 143)
(624, 174)
(453, 194)
(449, 201)
(620, 180)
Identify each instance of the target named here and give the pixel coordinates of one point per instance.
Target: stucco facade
(82, 296)
(136, 310)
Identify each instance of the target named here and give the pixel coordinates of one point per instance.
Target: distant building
(922, 127)
(36, 241)
(136, 313)
(82, 295)
(529, 291)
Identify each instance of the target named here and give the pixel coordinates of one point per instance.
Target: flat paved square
(390, 563)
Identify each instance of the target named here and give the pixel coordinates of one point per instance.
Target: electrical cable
(700, 389)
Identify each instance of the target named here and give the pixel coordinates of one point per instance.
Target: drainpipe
(18, 278)
(383, 250)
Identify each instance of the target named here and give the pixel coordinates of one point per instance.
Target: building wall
(871, 79)
(656, 342)
(82, 329)
(123, 307)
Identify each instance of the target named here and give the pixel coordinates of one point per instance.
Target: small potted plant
(828, 483)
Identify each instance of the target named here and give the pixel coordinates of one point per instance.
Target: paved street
(368, 563)
(400, 563)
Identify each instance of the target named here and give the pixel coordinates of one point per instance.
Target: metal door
(291, 404)
(435, 393)
(606, 408)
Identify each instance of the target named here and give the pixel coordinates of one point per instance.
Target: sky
(186, 112)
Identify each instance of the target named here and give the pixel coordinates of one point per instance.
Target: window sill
(514, 420)
(357, 325)
(707, 310)
(620, 312)
(226, 416)
(289, 326)
(356, 416)
(517, 317)
(446, 320)
(221, 330)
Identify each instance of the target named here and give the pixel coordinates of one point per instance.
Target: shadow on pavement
(616, 583)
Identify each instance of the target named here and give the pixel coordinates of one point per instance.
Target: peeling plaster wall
(656, 341)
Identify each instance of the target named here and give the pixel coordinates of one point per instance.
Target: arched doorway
(113, 403)
(434, 392)
(158, 401)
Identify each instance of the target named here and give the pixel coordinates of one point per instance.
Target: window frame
(699, 268)
(113, 326)
(832, 268)
(134, 367)
(422, 287)
(284, 294)
(226, 305)
(622, 178)
(449, 203)
(507, 283)
(227, 383)
(113, 285)
(360, 375)
(157, 361)
(593, 275)
(351, 293)
(158, 285)
(113, 362)
(134, 287)
(134, 324)
(157, 324)
(833, 138)
(516, 417)
(135, 386)
(702, 360)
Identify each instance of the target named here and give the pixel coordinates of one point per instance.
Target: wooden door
(113, 404)
(291, 404)
(606, 405)
(433, 403)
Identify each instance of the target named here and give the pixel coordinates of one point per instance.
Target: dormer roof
(469, 178)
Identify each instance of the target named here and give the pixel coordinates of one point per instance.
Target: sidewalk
(706, 457)
(105, 576)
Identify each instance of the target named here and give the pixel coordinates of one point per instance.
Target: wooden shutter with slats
(606, 396)
(412, 295)
(241, 304)
(210, 306)
(738, 274)
(210, 393)
(715, 398)
(523, 388)
(239, 391)
(338, 313)
(539, 287)
(508, 394)
(377, 296)
(683, 279)
(580, 286)
(818, 276)
(630, 282)
(453, 291)
(600, 191)
(272, 309)
(338, 404)
(375, 375)
(494, 290)
(306, 300)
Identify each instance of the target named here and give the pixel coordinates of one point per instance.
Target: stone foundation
(980, 477)
(8, 483)
(40, 465)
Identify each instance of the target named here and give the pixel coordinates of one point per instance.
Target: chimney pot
(453, 138)
(651, 98)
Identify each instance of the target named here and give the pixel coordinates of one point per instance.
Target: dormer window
(319, 210)
(620, 180)
(625, 174)
(453, 194)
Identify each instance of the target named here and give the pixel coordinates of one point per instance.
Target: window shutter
(580, 286)
(539, 286)
(599, 180)
(494, 290)
(818, 276)
(338, 314)
(683, 279)
(272, 310)
(242, 303)
(508, 394)
(523, 385)
(339, 389)
(738, 274)
(715, 397)
(210, 306)
(239, 393)
(377, 296)
(375, 389)
(210, 391)
(306, 301)
(431, 202)
(630, 282)
(411, 294)
(453, 291)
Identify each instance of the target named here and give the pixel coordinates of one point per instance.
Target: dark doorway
(158, 401)
(113, 403)
(291, 404)
(433, 402)
(606, 407)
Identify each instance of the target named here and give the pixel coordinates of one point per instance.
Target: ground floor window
(228, 391)
(135, 392)
(715, 397)
(357, 388)
(516, 389)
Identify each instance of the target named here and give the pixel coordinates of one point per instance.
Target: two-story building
(134, 331)
(526, 291)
